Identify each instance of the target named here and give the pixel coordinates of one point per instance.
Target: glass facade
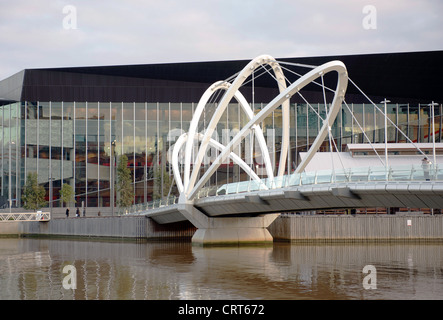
(72, 142)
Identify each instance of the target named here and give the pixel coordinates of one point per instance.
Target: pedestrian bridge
(242, 211)
(401, 187)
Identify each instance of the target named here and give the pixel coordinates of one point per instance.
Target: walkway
(352, 188)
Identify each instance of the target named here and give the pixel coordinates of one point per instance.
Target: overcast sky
(56, 33)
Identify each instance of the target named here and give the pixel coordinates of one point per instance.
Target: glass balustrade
(345, 175)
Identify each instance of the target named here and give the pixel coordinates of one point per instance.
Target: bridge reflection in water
(33, 269)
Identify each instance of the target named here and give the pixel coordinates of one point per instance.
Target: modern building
(67, 123)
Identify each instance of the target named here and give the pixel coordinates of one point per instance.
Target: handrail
(26, 216)
(357, 174)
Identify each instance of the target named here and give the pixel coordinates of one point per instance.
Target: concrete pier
(227, 230)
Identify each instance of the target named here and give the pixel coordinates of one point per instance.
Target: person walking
(426, 165)
(77, 213)
(84, 212)
(67, 212)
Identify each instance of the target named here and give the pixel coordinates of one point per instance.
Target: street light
(112, 175)
(431, 106)
(9, 178)
(385, 101)
(50, 193)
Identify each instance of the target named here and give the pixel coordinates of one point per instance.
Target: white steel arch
(213, 143)
(227, 97)
(220, 85)
(190, 187)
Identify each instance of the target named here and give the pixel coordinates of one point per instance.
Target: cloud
(110, 32)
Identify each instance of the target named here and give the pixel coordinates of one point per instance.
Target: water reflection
(33, 269)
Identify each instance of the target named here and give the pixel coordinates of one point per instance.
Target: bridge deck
(402, 187)
(413, 194)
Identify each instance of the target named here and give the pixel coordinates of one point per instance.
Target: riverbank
(117, 227)
(357, 228)
(290, 228)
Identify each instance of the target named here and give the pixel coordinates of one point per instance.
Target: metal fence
(28, 216)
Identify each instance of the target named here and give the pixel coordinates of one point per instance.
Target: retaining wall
(120, 227)
(10, 229)
(357, 228)
(284, 228)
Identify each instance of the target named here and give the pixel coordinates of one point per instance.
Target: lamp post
(9, 177)
(50, 193)
(431, 105)
(385, 101)
(112, 175)
(145, 183)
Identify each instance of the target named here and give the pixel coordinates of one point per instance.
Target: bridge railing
(158, 203)
(27, 216)
(357, 174)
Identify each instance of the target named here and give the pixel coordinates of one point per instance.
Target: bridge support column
(235, 231)
(228, 231)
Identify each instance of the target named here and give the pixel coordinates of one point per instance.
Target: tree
(124, 186)
(162, 182)
(67, 194)
(33, 193)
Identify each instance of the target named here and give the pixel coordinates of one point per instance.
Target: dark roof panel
(401, 77)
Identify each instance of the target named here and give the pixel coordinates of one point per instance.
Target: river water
(35, 269)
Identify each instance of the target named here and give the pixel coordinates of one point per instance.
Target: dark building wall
(400, 77)
(48, 85)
